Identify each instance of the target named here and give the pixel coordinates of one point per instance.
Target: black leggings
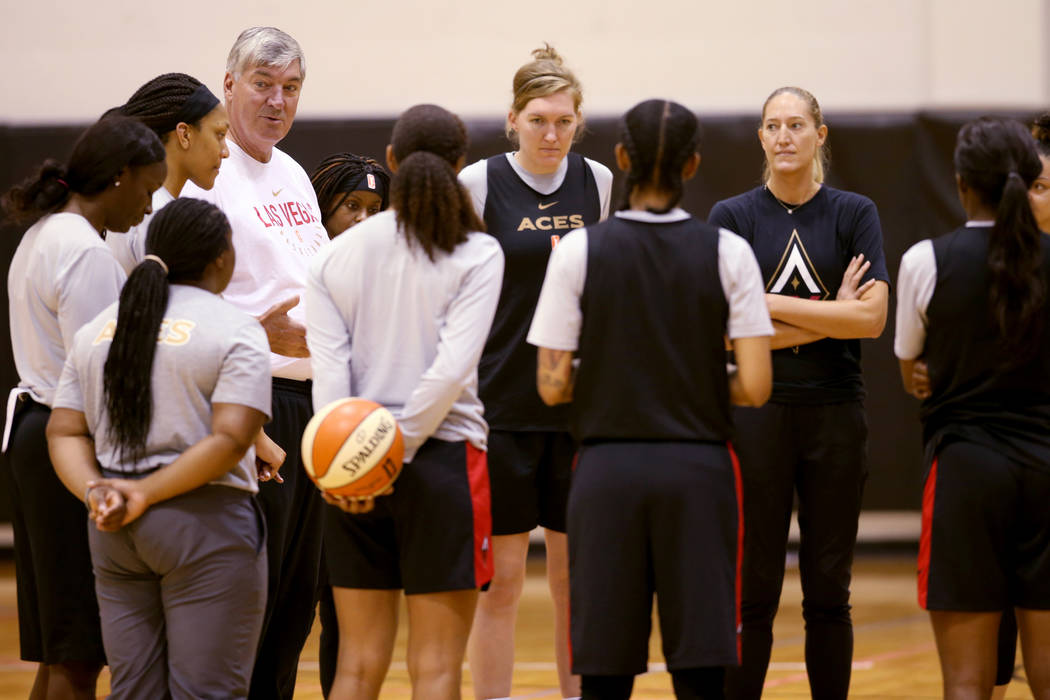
(689, 684)
(818, 452)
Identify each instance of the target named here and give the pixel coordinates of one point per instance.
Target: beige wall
(69, 61)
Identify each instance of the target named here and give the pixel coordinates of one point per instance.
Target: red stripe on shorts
(481, 500)
(738, 480)
(928, 492)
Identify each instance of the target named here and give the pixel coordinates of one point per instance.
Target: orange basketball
(353, 447)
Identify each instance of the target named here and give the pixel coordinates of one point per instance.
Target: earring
(116, 183)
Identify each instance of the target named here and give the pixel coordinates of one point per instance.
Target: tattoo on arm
(554, 358)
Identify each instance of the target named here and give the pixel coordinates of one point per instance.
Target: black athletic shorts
(57, 610)
(530, 474)
(663, 518)
(432, 534)
(985, 541)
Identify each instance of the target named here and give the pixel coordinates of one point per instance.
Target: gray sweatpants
(181, 593)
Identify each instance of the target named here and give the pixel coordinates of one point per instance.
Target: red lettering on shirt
(274, 215)
(260, 217)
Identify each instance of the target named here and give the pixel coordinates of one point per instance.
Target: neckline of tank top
(791, 208)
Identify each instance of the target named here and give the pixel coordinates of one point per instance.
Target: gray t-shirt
(207, 352)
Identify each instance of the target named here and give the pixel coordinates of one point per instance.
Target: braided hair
(187, 234)
(99, 155)
(169, 99)
(659, 137)
(342, 173)
(997, 159)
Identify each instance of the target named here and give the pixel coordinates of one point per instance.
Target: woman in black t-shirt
(810, 438)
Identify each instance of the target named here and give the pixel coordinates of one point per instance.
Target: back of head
(164, 102)
(264, 46)
(659, 137)
(432, 129)
(997, 160)
(107, 147)
(187, 235)
(342, 173)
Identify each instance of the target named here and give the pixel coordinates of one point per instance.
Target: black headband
(367, 181)
(197, 106)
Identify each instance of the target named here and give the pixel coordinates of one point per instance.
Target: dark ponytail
(659, 136)
(996, 158)
(434, 210)
(99, 155)
(187, 235)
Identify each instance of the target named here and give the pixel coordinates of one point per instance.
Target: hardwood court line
(867, 626)
(924, 648)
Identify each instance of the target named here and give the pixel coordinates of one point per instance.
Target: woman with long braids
(811, 438)
(350, 188)
(61, 276)
(973, 305)
(529, 199)
(398, 311)
(161, 399)
(654, 506)
(192, 125)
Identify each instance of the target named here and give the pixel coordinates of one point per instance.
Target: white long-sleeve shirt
(385, 323)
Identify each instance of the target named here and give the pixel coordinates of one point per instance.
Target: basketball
(353, 447)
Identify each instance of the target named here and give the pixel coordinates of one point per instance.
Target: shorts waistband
(299, 386)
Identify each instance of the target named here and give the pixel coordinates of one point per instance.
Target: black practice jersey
(528, 225)
(651, 344)
(977, 392)
(805, 254)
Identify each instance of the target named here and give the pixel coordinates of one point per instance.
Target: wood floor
(894, 655)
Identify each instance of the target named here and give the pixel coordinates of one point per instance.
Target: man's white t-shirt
(277, 229)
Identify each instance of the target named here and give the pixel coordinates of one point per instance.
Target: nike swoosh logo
(546, 206)
(276, 192)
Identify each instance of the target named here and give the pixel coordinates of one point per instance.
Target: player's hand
(920, 380)
(355, 506)
(268, 458)
(851, 287)
(287, 337)
(135, 501)
(105, 507)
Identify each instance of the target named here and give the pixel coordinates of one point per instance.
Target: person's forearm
(74, 461)
(853, 318)
(786, 335)
(202, 463)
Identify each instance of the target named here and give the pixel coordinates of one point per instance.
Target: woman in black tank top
(528, 200)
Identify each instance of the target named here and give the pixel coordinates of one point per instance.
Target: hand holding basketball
(355, 506)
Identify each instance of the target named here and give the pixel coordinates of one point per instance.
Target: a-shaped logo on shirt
(795, 275)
